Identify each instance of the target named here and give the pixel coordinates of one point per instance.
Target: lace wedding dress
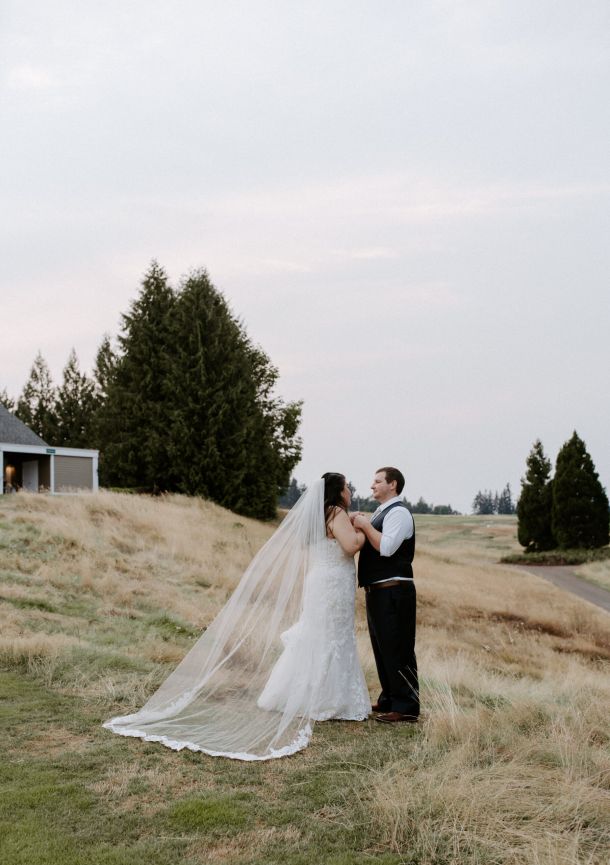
(280, 655)
(319, 673)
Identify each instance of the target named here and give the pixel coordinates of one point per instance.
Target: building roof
(15, 432)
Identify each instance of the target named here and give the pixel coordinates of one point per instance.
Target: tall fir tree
(104, 369)
(484, 503)
(534, 507)
(580, 505)
(505, 501)
(230, 439)
(212, 395)
(133, 422)
(74, 407)
(187, 402)
(274, 447)
(7, 401)
(36, 405)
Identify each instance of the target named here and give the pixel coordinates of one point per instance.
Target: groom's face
(382, 490)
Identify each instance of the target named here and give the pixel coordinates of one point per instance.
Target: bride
(281, 653)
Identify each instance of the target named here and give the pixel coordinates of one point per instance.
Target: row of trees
(421, 506)
(60, 415)
(486, 502)
(360, 503)
(185, 403)
(569, 510)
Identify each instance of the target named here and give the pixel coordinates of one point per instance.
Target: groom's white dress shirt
(398, 526)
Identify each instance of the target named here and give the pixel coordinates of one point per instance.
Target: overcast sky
(407, 203)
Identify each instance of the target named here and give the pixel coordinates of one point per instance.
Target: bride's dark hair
(334, 484)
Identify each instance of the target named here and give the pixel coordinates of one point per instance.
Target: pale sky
(407, 203)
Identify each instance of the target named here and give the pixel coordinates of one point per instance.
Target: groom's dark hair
(392, 474)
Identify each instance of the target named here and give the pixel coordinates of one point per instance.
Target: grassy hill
(101, 595)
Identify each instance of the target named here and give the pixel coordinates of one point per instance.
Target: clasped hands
(359, 519)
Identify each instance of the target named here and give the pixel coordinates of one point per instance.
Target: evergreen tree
(291, 496)
(230, 439)
(212, 396)
(104, 369)
(74, 407)
(274, 444)
(368, 505)
(443, 510)
(363, 503)
(421, 507)
(36, 405)
(505, 501)
(7, 401)
(133, 422)
(534, 529)
(580, 515)
(484, 503)
(187, 403)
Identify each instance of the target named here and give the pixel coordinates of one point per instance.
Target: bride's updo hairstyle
(334, 484)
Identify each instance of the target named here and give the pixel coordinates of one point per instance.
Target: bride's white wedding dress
(318, 673)
(280, 655)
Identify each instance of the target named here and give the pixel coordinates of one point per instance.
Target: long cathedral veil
(209, 702)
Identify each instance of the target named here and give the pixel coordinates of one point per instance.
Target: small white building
(29, 463)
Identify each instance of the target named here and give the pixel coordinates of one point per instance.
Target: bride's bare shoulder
(336, 517)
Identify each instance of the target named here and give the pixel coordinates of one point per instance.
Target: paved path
(566, 579)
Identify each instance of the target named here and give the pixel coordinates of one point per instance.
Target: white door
(30, 476)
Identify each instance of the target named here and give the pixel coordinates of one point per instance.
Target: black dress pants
(391, 618)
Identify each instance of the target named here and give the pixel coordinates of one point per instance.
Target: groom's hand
(359, 520)
(353, 514)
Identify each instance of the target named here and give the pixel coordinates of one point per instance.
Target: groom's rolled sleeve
(397, 527)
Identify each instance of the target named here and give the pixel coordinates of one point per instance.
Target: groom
(385, 572)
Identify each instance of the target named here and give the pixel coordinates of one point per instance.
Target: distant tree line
(362, 503)
(567, 511)
(61, 415)
(291, 494)
(184, 403)
(421, 506)
(486, 502)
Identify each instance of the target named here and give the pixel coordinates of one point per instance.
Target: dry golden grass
(596, 572)
(510, 763)
(513, 765)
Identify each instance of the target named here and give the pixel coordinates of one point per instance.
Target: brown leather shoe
(396, 717)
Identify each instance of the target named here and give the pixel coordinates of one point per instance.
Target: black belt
(386, 584)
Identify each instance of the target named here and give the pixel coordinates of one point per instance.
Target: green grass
(30, 603)
(558, 557)
(60, 806)
(211, 814)
(170, 627)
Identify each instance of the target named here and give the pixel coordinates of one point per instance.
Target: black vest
(372, 566)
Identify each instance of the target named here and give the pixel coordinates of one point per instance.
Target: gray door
(30, 476)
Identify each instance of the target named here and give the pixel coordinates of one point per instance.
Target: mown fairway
(100, 596)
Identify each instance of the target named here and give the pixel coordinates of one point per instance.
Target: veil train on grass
(209, 703)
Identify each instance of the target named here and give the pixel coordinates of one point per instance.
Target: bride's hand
(345, 533)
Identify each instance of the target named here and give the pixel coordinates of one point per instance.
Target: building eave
(45, 450)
